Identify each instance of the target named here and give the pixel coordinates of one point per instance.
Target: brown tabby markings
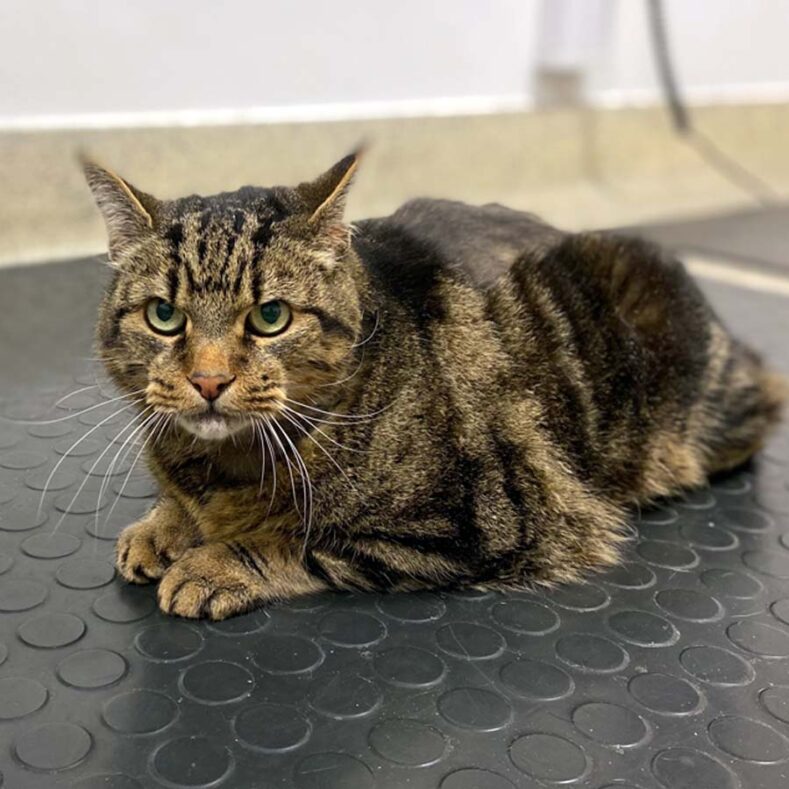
(475, 397)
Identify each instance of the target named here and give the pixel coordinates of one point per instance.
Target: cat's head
(226, 307)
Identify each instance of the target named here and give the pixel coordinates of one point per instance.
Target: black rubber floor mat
(671, 671)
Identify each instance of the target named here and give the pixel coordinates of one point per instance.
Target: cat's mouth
(211, 425)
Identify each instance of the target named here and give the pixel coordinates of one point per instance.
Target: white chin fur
(213, 429)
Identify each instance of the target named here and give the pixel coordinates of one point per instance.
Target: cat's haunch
(448, 396)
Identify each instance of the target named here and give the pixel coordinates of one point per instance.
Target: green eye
(164, 318)
(269, 319)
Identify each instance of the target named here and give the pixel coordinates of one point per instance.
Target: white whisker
(84, 411)
(325, 452)
(161, 419)
(349, 417)
(370, 335)
(92, 468)
(75, 445)
(75, 392)
(324, 434)
(105, 481)
(257, 432)
(347, 377)
(287, 465)
(306, 486)
(264, 435)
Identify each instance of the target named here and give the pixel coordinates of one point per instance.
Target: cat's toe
(200, 585)
(180, 595)
(138, 558)
(224, 603)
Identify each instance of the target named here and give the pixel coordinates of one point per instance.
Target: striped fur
(481, 396)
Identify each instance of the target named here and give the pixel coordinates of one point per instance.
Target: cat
(451, 396)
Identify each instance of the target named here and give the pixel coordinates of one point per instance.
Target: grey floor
(757, 236)
(671, 671)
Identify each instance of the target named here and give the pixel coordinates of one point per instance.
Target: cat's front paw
(145, 550)
(209, 581)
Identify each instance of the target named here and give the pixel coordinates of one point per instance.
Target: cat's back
(479, 242)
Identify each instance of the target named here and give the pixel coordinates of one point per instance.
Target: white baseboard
(250, 116)
(437, 107)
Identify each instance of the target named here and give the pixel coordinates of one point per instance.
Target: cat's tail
(749, 407)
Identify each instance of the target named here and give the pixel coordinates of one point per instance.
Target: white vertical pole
(571, 35)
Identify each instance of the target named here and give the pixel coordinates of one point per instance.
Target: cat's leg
(147, 548)
(221, 579)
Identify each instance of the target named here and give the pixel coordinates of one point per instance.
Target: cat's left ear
(128, 213)
(325, 197)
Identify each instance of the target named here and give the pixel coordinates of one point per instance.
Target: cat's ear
(324, 198)
(128, 213)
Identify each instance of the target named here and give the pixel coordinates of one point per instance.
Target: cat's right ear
(128, 213)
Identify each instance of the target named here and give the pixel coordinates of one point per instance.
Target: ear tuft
(128, 213)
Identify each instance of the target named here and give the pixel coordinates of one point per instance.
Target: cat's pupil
(164, 311)
(270, 312)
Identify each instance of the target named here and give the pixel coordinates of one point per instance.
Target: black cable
(721, 162)
(665, 67)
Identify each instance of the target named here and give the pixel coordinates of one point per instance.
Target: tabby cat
(448, 396)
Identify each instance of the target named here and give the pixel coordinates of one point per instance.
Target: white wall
(64, 56)
(723, 50)
(64, 61)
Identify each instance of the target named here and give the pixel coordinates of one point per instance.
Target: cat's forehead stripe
(195, 244)
(173, 283)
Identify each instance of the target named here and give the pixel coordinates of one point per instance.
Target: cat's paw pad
(207, 582)
(141, 555)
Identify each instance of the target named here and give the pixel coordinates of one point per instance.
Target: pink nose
(211, 385)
